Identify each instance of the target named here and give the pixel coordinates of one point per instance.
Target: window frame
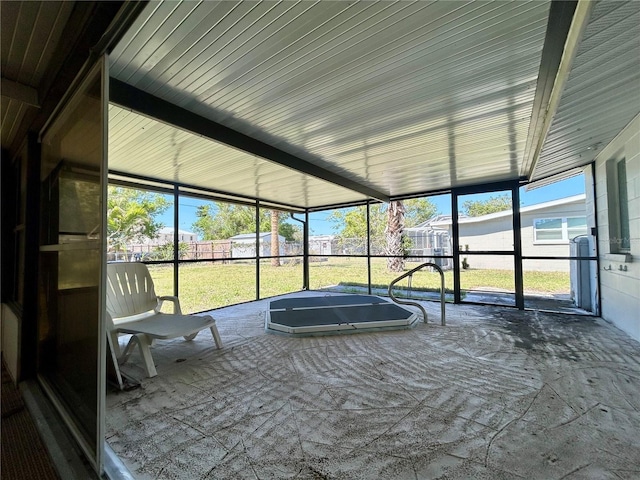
(618, 206)
(564, 230)
(623, 207)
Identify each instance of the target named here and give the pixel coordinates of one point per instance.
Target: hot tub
(336, 313)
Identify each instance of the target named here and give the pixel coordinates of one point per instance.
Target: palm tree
(394, 233)
(275, 240)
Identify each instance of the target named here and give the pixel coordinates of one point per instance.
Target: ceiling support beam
(567, 22)
(20, 92)
(89, 25)
(132, 98)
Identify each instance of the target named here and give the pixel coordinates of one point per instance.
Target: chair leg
(114, 343)
(188, 338)
(216, 336)
(114, 359)
(145, 343)
(128, 349)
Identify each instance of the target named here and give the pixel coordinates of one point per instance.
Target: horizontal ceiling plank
(17, 91)
(135, 99)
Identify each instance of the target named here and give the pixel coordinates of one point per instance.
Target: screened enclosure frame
(558, 47)
(179, 190)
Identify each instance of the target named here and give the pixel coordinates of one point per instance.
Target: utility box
(581, 273)
(441, 262)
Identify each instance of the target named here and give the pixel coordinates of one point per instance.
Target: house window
(576, 226)
(623, 210)
(558, 230)
(618, 206)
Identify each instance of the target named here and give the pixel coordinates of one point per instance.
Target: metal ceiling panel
(144, 147)
(11, 114)
(29, 34)
(602, 94)
(403, 97)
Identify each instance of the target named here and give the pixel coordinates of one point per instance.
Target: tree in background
(131, 215)
(275, 240)
(351, 223)
(225, 220)
(165, 252)
(394, 234)
(476, 208)
(418, 210)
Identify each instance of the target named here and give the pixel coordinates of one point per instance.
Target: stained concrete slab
(496, 394)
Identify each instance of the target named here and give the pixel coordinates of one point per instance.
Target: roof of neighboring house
(432, 223)
(169, 231)
(165, 231)
(252, 236)
(441, 220)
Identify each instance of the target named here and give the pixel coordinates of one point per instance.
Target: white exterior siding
(486, 233)
(166, 236)
(552, 249)
(244, 245)
(489, 234)
(321, 244)
(620, 288)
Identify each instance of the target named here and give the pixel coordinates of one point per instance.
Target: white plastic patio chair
(134, 308)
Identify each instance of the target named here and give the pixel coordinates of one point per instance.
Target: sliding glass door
(71, 342)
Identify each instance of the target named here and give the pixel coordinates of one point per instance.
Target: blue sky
(321, 226)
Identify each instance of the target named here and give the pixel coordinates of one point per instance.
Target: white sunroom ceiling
(30, 33)
(142, 146)
(403, 97)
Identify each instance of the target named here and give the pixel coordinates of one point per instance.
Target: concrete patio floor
(496, 394)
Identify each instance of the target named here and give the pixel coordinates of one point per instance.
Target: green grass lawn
(209, 285)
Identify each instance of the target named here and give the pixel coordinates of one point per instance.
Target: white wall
(620, 290)
(496, 234)
(490, 234)
(557, 249)
(245, 248)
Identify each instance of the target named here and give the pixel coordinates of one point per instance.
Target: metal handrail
(415, 304)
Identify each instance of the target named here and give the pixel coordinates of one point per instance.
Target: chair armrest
(171, 298)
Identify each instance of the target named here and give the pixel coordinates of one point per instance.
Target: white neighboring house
(546, 229)
(244, 245)
(165, 235)
(320, 244)
(136, 251)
